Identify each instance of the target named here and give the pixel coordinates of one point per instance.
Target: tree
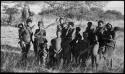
(11, 12)
(98, 4)
(70, 4)
(65, 4)
(97, 11)
(5, 7)
(113, 14)
(25, 12)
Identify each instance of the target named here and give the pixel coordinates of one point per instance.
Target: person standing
(40, 41)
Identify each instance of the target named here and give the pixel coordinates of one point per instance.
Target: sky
(115, 5)
(38, 7)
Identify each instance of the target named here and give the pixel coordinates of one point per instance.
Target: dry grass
(10, 55)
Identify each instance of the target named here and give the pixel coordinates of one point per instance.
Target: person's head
(61, 20)
(71, 24)
(40, 24)
(20, 25)
(89, 24)
(65, 25)
(78, 29)
(100, 23)
(108, 26)
(28, 22)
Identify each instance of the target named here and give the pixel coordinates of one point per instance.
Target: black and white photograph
(62, 37)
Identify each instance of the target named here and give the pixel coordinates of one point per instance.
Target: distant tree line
(83, 13)
(14, 15)
(88, 10)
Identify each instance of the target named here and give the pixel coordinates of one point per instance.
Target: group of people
(68, 44)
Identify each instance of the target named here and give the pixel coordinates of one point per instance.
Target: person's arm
(20, 34)
(86, 30)
(102, 30)
(113, 35)
(80, 37)
(36, 33)
(32, 27)
(44, 34)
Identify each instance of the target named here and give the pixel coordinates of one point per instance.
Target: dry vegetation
(11, 52)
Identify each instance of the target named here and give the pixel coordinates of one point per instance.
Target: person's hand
(103, 49)
(55, 55)
(36, 35)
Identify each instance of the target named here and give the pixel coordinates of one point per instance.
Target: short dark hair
(78, 28)
(21, 24)
(28, 20)
(89, 23)
(100, 21)
(108, 24)
(40, 23)
(71, 23)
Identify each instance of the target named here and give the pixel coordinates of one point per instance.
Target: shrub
(4, 19)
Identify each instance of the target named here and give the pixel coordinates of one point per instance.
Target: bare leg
(111, 62)
(27, 48)
(92, 59)
(35, 47)
(96, 61)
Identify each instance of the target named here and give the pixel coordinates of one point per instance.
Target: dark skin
(99, 32)
(78, 36)
(37, 33)
(108, 34)
(20, 32)
(24, 35)
(89, 26)
(70, 31)
(24, 30)
(40, 34)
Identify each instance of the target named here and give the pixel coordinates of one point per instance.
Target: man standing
(60, 26)
(99, 32)
(40, 41)
(90, 33)
(25, 36)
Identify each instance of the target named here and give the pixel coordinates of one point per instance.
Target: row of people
(103, 32)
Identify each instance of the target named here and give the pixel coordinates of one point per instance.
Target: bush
(16, 18)
(4, 19)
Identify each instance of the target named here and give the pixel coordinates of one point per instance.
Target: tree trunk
(10, 19)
